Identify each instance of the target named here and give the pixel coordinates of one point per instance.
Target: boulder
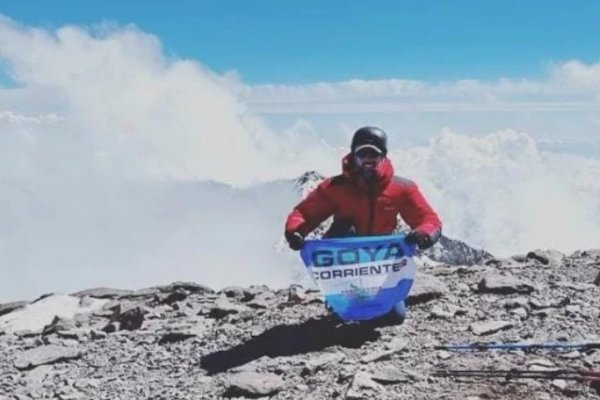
(46, 355)
(426, 288)
(253, 384)
(504, 284)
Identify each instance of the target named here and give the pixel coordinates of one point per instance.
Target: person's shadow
(287, 340)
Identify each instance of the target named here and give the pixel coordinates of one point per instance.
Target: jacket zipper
(371, 210)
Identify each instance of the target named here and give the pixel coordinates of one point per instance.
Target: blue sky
(274, 41)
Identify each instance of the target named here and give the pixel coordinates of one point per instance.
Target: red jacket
(372, 210)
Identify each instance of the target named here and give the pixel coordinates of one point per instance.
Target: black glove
(421, 239)
(295, 240)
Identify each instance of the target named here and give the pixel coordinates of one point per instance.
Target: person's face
(367, 159)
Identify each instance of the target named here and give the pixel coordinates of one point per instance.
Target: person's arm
(418, 214)
(311, 211)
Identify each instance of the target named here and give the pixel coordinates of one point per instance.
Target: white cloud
(142, 113)
(501, 193)
(570, 86)
(578, 76)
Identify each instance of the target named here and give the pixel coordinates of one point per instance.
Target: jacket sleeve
(417, 212)
(311, 211)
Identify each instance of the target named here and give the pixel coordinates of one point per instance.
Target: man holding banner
(364, 200)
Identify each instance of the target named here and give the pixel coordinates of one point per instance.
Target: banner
(361, 277)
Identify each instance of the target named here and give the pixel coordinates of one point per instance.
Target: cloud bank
(135, 111)
(120, 166)
(568, 86)
(113, 165)
(501, 193)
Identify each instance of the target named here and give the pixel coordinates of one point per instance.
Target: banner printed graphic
(361, 277)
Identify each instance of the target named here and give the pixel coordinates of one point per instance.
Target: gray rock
(546, 257)
(132, 319)
(296, 294)
(111, 327)
(438, 313)
(175, 296)
(572, 355)
(258, 303)
(194, 331)
(46, 355)
(538, 257)
(74, 334)
(573, 309)
(114, 308)
(224, 307)
(517, 302)
(389, 375)
(454, 252)
(13, 306)
(579, 287)
(543, 313)
(42, 297)
(503, 284)
(426, 288)
(34, 379)
(446, 312)
(537, 304)
(559, 384)
(395, 346)
(190, 287)
(142, 294)
(86, 383)
(59, 324)
(322, 361)
(68, 393)
(26, 333)
(86, 301)
(363, 387)
(520, 312)
(462, 287)
(97, 335)
(520, 258)
(490, 327)
(237, 292)
(253, 384)
(103, 293)
(111, 305)
(541, 362)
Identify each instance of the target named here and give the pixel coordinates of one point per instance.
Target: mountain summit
(187, 341)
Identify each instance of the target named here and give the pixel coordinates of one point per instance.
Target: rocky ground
(185, 341)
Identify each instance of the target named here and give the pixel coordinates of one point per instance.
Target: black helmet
(372, 136)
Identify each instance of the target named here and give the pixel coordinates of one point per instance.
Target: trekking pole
(519, 346)
(590, 376)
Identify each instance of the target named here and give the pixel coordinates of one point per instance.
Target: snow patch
(39, 314)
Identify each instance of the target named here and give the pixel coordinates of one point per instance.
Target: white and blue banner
(361, 277)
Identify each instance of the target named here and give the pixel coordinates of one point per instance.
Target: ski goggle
(367, 153)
